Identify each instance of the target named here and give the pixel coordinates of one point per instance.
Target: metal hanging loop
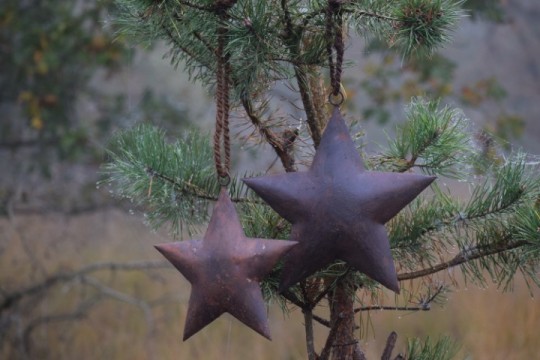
(336, 100)
(224, 181)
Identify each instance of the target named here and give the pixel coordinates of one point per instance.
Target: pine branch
(392, 308)
(374, 15)
(211, 9)
(423, 25)
(463, 257)
(426, 227)
(175, 183)
(308, 18)
(293, 38)
(321, 321)
(435, 139)
(442, 349)
(191, 190)
(281, 146)
(293, 299)
(331, 287)
(306, 96)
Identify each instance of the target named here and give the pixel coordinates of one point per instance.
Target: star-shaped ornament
(338, 210)
(224, 269)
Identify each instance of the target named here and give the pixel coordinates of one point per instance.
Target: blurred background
(68, 82)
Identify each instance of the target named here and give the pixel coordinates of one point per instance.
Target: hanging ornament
(224, 269)
(338, 210)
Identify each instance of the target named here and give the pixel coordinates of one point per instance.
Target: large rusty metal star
(338, 210)
(224, 270)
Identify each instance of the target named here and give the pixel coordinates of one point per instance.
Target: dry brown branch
(12, 298)
(464, 256)
(281, 146)
(390, 344)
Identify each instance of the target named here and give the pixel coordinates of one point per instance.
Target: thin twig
(194, 191)
(462, 218)
(310, 343)
(197, 7)
(305, 94)
(281, 148)
(300, 73)
(321, 321)
(320, 12)
(293, 299)
(331, 286)
(395, 308)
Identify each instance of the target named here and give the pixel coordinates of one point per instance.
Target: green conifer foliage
(490, 235)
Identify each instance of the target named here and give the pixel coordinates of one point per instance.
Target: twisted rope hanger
(222, 143)
(334, 42)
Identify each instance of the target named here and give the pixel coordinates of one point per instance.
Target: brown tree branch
(281, 146)
(331, 286)
(79, 313)
(84, 308)
(390, 344)
(292, 38)
(11, 299)
(310, 342)
(394, 308)
(305, 94)
(463, 257)
(321, 321)
(320, 12)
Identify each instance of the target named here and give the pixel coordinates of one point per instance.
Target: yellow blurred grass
(487, 323)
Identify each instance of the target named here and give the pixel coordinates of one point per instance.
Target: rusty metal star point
(338, 209)
(224, 269)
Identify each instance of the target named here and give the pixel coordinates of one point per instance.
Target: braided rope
(222, 143)
(334, 41)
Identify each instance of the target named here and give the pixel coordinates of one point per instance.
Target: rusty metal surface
(338, 210)
(224, 269)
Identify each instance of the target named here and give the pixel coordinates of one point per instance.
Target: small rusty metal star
(225, 269)
(338, 210)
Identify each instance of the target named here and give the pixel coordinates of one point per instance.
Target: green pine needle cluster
(270, 41)
(441, 349)
(434, 139)
(425, 25)
(173, 182)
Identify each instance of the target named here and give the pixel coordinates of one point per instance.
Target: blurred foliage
(49, 52)
(487, 9)
(55, 57)
(391, 79)
(442, 349)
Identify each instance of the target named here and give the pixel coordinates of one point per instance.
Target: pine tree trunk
(345, 345)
